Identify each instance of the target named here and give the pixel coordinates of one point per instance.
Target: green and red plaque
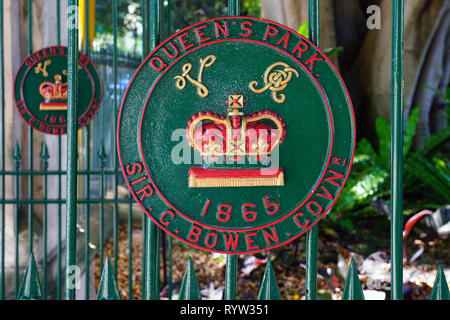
(236, 135)
(40, 90)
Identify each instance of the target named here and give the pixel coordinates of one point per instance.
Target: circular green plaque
(236, 135)
(40, 90)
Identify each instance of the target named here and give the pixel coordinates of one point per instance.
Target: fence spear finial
(107, 289)
(269, 287)
(352, 289)
(440, 288)
(189, 287)
(31, 286)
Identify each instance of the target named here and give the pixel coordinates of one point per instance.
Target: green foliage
(426, 175)
(303, 30)
(251, 8)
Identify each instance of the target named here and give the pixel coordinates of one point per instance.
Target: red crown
(236, 134)
(55, 95)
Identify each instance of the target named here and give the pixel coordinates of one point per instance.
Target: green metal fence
(92, 168)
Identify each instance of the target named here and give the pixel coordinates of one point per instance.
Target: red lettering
(161, 63)
(275, 206)
(231, 241)
(196, 232)
(271, 31)
(224, 30)
(173, 56)
(201, 34)
(146, 192)
(131, 170)
(166, 223)
(336, 161)
(318, 207)
(84, 60)
(206, 207)
(273, 236)
(183, 41)
(250, 241)
(336, 176)
(327, 195)
(215, 240)
(249, 215)
(222, 215)
(249, 31)
(313, 59)
(139, 180)
(300, 47)
(285, 39)
(300, 214)
(52, 51)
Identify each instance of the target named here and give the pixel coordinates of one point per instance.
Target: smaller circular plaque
(40, 90)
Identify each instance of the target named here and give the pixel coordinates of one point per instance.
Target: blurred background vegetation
(363, 59)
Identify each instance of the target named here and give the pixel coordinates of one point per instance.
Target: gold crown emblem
(54, 93)
(236, 134)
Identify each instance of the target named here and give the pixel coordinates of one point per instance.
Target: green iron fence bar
(17, 156)
(30, 136)
(2, 106)
(145, 51)
(151, 231)
(231, 260)
(72, 101)
(88, 165)
(115, 211)
(397, 149)
(44, 160)
(59, 231)
(312, 236)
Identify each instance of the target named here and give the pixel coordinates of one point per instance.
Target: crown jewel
(55, 94)
(235, 135)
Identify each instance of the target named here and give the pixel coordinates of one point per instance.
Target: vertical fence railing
(30, 138)
(2, 106)
(312, 236)
(231, 260)
(152, 235)
(397, 149)
(59, 231)
(86, 47)
(72, 102)
(115, 156)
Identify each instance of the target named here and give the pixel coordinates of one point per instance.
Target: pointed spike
(31, 286)
(440, 288)
(353, 289)
(102, 154)
(44, 151)
(17, 155)
(44, 155)
(107, 289)
(269, 287)
(189, 287)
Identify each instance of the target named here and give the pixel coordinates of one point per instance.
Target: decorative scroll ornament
(39, 68)
(201, 88)
(276, 80)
